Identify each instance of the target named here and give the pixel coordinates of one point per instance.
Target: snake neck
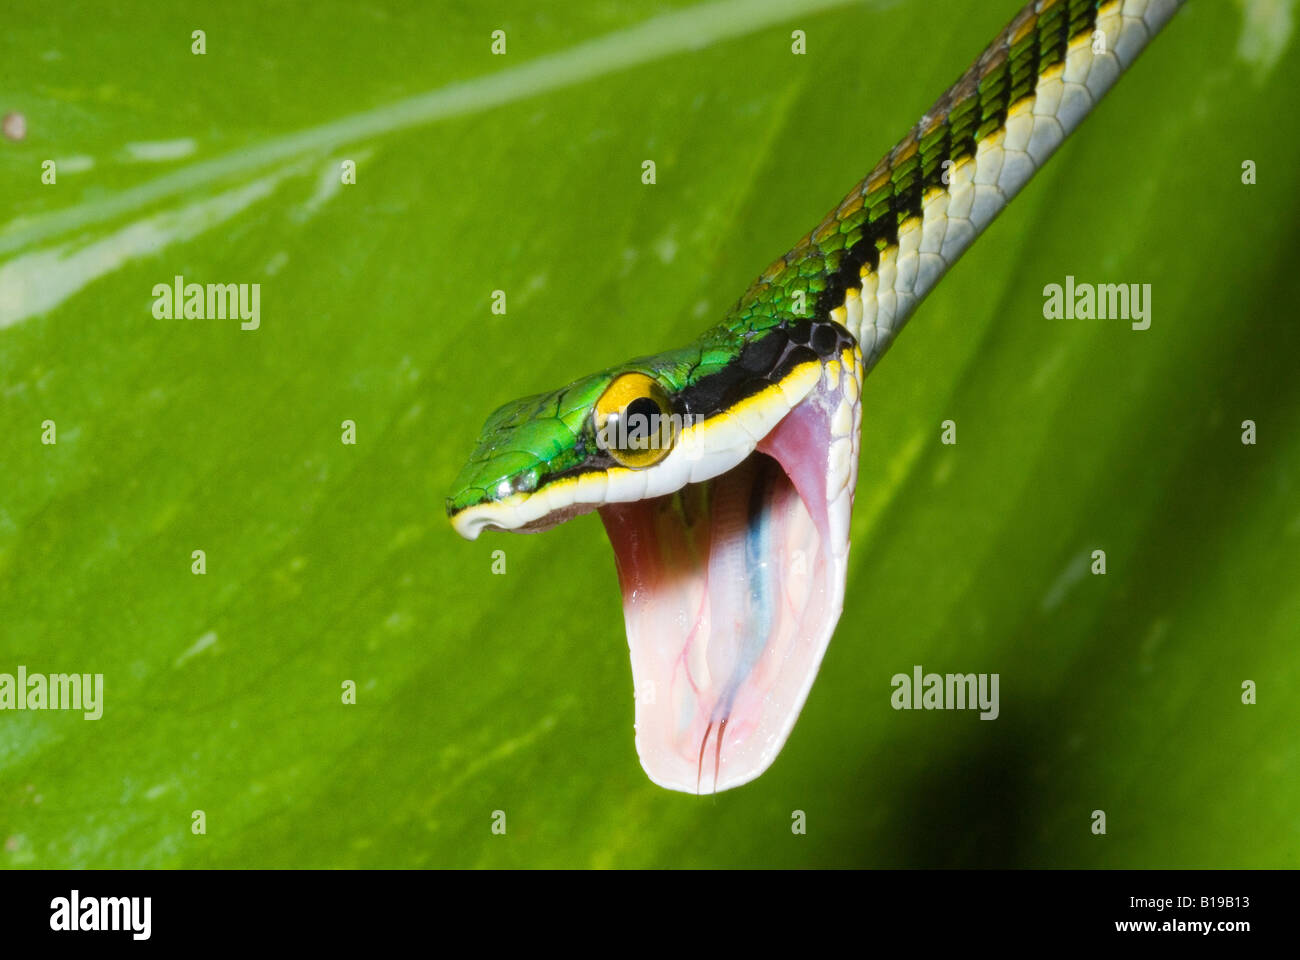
(872, 259)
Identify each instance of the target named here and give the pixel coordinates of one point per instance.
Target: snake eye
(634, 422)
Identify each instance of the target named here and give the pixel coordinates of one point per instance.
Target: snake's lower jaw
(732, 589)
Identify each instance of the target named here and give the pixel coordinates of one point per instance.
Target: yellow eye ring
(634, 421)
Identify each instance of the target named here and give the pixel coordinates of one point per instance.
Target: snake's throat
(731, 590)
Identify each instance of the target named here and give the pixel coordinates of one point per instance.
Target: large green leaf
(479, 692)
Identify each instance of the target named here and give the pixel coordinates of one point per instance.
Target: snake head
(724, 476)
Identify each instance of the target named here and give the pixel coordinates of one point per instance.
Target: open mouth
(731, 590)
(732, 564)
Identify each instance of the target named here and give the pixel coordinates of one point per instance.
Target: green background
(479, 692)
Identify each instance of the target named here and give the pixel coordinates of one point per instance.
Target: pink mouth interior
(731, 590)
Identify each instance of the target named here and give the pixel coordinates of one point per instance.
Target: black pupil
(640, 416)
(643, 406)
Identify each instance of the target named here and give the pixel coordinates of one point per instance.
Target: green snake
(724, 472)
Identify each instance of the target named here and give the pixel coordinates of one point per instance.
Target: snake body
(872, 259)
